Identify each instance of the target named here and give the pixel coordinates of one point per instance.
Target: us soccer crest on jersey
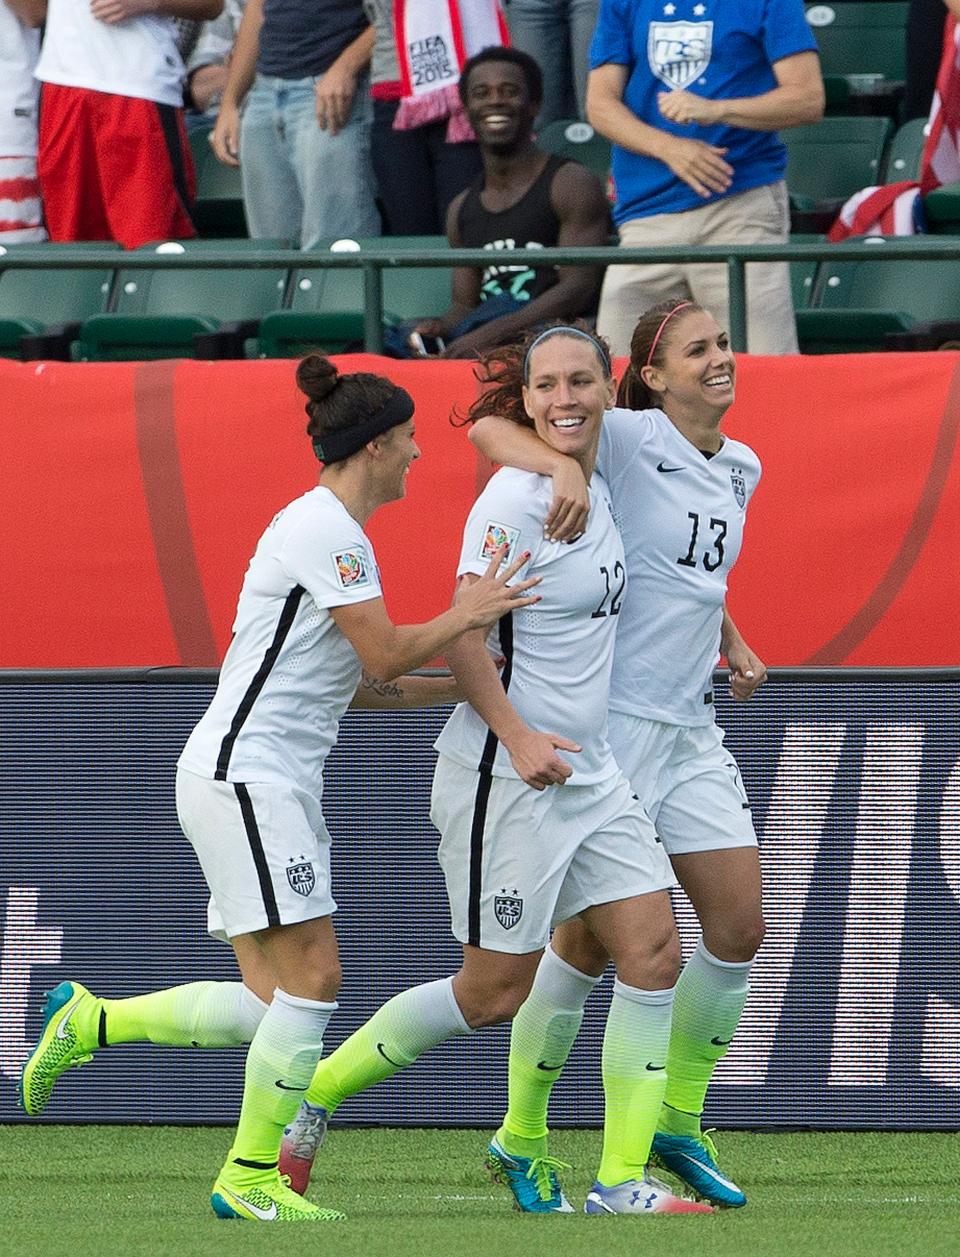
(679, 52)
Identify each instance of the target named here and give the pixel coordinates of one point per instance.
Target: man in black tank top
(524, 198)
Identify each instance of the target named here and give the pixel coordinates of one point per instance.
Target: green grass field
(100, 1190)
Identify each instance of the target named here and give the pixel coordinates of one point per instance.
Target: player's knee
(738, 939)
(653, 962)
(492, 1003)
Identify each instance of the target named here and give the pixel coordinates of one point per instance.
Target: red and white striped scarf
(433, 39)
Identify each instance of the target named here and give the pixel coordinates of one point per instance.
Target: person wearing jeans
(303, 144)
(557, 33)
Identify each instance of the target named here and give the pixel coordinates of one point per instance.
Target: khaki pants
(758, 216)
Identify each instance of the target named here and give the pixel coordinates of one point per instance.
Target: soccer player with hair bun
(311, 635)
(680, 491)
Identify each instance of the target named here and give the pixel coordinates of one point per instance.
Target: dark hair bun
(317, 377)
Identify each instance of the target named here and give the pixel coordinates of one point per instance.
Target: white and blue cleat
(534, 1181)
(693, 1161)
(639, 1196)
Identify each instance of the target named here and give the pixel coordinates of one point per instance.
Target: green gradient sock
(395, 1036)
(634, 1078)
(541, 1037)
(280, 1063)
(198, 1014)
(710, 997)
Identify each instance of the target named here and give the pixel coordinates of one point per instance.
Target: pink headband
(682, 306)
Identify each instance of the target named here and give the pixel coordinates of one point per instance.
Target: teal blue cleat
(694, 1162)
(533, 1180)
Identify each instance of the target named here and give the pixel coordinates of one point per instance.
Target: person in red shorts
(113, 159)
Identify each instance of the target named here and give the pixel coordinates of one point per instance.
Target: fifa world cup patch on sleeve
(496, 535)
(352, 568)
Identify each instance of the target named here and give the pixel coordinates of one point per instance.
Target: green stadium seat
(202, 312)
(942, 210)
(218, 209)
(41, 311)
(905, 151)
(864, 38)
(569, 137)
(828, 161)
(882, 304)
(326, 305)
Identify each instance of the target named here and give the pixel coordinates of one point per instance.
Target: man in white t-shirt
(20, 216)
(114, 163)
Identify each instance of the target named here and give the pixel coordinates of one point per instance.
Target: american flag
(895, 209)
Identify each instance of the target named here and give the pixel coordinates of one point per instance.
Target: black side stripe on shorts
(483, 795)
(256, 850)
(290, 605)
(173, 140)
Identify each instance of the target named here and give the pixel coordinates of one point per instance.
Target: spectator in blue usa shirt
(692, 94)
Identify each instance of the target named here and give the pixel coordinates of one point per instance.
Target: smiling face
(696, 375)
(397, 451)
(499, 106)
(566, 394)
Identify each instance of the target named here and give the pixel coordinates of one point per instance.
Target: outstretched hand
(491, 596)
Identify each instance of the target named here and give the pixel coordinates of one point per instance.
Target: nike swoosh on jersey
(661, 467)
(60, 1031)
(717, 1177)
(265, 1215)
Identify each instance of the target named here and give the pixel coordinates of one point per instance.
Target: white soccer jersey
(136, 57)
(19, 48)
(290, 673)
(559, 652)
(681, 516)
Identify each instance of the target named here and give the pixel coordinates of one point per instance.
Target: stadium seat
(827, 162)
(569, 137)
(326, 305)
(905, 151)
(41, 311)
(882, 304)
(864, 38)
(196, 313)
(942, 210)
(803, 274)
(218, 209)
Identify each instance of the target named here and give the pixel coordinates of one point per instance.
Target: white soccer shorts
(687, 781)
(264, 849)
(517, 861)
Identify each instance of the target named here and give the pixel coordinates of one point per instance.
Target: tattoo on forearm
(386, 689)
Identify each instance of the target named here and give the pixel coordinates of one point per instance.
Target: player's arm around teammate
(249, 785)
(537, 822)
(681, 490)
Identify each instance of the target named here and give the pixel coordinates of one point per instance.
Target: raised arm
(701, 166)
(508, 443)
(389, 650)
(798, 98)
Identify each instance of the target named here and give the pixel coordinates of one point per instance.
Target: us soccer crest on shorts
(496, 535)
(352, 568)
(508, 909)
(301, 876)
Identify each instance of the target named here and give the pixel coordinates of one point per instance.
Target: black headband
(337, 446)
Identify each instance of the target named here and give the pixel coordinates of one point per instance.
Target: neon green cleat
(264, 1198)
(61, 1044)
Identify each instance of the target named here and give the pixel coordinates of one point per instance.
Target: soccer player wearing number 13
(680, 491)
